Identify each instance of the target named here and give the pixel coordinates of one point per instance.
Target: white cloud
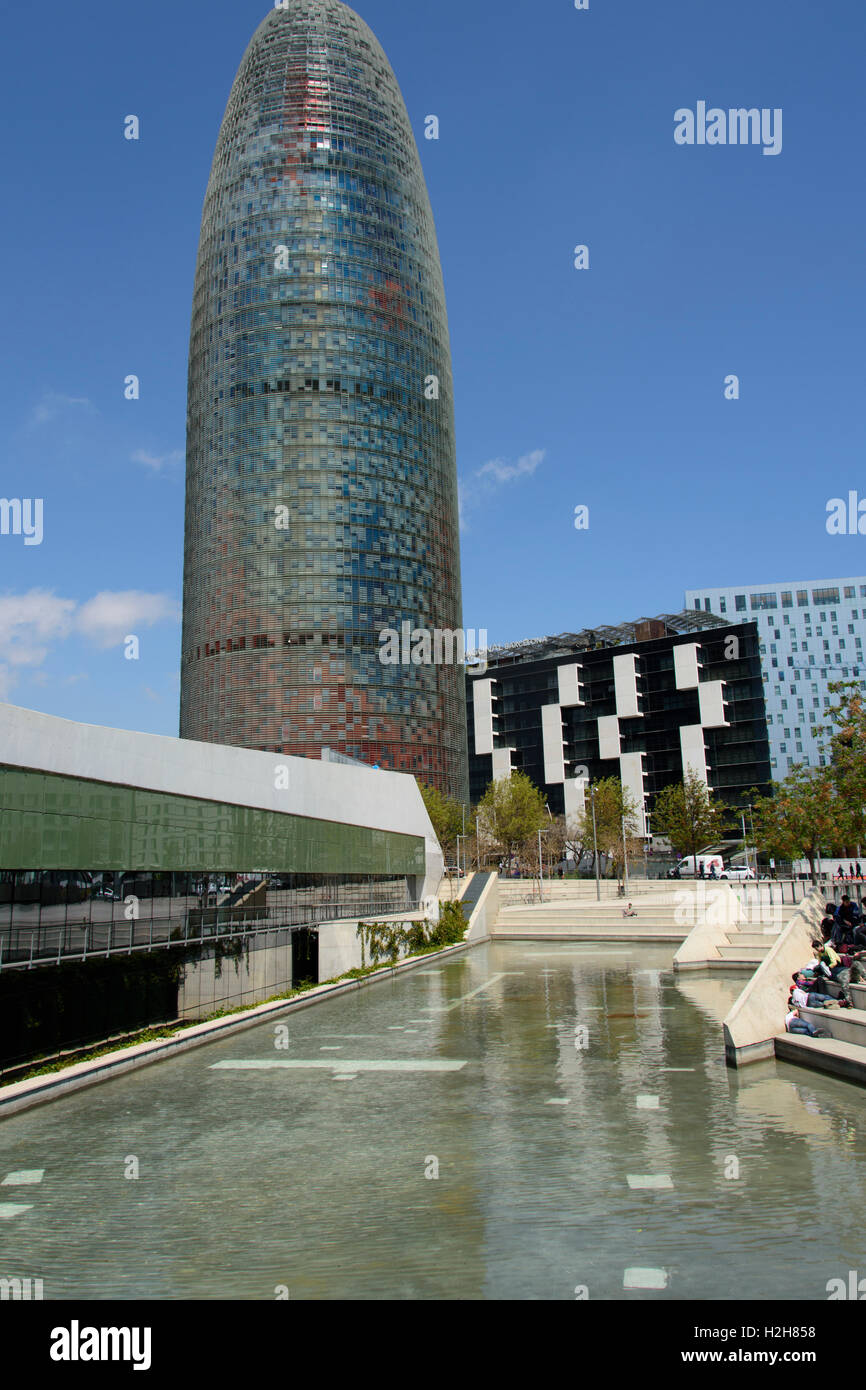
(107, 618)
(32, 625)
(502, 472)
(52, 403)
(158, 461)
(492, 475)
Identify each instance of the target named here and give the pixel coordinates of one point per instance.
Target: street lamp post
(595, 844)
(624, 858)
(745, 845)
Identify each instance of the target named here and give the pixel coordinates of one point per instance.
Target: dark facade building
(321, 502)
(641, 701)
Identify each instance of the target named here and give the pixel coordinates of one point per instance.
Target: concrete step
(858, 996)
(598, 935)
(845, 1025)
(570, 914)
(843, 1059)
(745, 953)
(749, 938)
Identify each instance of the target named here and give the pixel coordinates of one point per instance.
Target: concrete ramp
(752, 1026)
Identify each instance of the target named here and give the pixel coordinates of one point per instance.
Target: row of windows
(771, 599)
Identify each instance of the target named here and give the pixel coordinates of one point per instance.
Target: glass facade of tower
(321, 504)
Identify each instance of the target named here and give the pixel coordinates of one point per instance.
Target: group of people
(852, 872)
(839, 958)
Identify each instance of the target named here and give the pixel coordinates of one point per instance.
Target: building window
(849, 591)
(723, 606)
(825, 595)
(803, 598)
(740, 601)
(764, 601)
(787, 600)
(698, 604)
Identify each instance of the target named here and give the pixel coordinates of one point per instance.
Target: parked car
(739, 871)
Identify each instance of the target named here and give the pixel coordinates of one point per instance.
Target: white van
(686, 867)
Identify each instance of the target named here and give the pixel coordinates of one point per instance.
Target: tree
(803, 815)
(615, 807)
(511, 812)
(847, 747)
(687, 814)
(446, 817)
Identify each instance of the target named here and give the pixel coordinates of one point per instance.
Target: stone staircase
(744, 947)
(581, 918)
(843, 1053)
(732, 930)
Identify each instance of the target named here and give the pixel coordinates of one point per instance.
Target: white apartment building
(811, 632)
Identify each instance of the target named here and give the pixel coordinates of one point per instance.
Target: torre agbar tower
(321, 485)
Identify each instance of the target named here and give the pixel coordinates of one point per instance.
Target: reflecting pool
(521, 1121)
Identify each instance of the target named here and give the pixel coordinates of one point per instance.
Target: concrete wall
(339, 948)
(264, 968)
(712, 908)
(759, 1013)
(485, 912)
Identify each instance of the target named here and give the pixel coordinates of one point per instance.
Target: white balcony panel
(568, 679)
(686, 672)
(631, 776)
(608, 736)
(692, 748)
(482, 698)
(625, 685)
(502, 763)
(575, 798)
(712, 704)
(551, 739)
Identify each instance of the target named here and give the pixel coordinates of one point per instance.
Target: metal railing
(51, 945)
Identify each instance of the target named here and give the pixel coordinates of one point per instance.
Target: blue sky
(602, 387)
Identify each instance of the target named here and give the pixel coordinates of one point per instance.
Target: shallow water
(314, 1178)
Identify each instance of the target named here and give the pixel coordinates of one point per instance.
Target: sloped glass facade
(321, 504)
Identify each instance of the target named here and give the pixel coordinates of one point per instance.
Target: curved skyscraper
(321, 493)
